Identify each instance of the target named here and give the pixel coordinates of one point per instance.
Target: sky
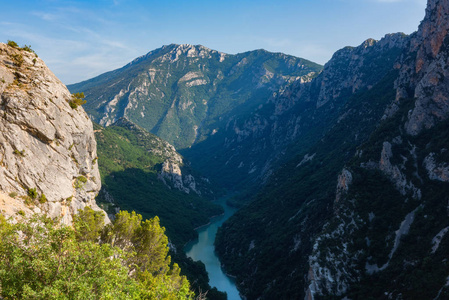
(81, 39)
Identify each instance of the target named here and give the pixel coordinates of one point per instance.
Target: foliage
(80, 181)
(32, 193)
(42, 199)
(28, 49)
(19, 153)
(40, 259)
(18, 59)
(88, 224)
(125, 160)
(12, 44)
(77, 100)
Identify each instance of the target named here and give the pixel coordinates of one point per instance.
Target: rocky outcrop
(436, 171)
(424, 73)
(171, 175)
(354, 68)
(344, 180)
(47, 148)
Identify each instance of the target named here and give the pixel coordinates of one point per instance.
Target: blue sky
(81, 39)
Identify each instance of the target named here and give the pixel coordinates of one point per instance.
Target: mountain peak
(192, 50)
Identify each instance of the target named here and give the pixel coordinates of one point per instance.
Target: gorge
(339, 174)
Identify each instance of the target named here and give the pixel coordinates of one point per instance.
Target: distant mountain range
(185, 93)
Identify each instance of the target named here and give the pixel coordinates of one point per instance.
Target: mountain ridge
(212, 86)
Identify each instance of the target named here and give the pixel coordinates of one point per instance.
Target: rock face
(44, 143)
(412, 159)
(424, 73)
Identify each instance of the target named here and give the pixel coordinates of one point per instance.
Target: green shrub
(18, 59)
(77, 99)
(28, 49)
(42, 199)
(13, 194)
(32, 193)
(53, 261)
(12, 44)
(80, 181)
(20, 153)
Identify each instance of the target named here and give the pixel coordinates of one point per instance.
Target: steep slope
(273, 235)
(362, 211)
(397, 199)
(47, 148)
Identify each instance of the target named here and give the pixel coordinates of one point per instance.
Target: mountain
(251, 147)
(192, 96)
(361, 210)
(45, 141)
(182, 93)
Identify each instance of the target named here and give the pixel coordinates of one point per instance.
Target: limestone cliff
(424, 73)
(47, 148)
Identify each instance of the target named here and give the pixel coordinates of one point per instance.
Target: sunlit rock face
(45, 144)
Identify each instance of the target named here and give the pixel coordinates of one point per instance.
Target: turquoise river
(203, 249)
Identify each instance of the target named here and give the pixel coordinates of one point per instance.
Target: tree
(42, 260)
(127, 259)
(88, 224)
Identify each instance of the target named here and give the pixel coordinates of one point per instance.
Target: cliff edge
(48, 156)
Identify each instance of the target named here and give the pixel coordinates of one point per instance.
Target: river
(203, 249)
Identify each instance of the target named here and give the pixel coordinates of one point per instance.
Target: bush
(28, 49)
(18, 59)
(42, 199)
(20, 153)
(12, 44)
(80, 181)
(44, 260)
(77, 100)
(13, 194)
(32, 193)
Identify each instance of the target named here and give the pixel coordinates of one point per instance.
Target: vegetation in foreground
(127, 259)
